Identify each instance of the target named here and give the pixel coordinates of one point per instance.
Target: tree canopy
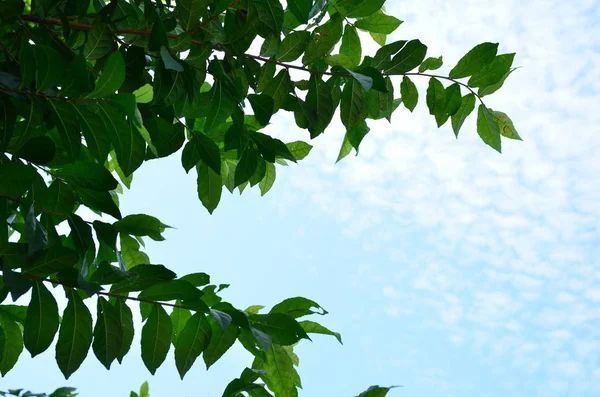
(91, 90)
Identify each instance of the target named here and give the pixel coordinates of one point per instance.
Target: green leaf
(81, 234)
(68, 127)
(220, 342)
(279, 89)
(75, 335)
(267, 182)
(127, 142)
(210, 186)
(13, 344)
(259, 174)
(436, 100)
(474, 60)
(223, 319)
(99, 201)
(141, 225)
(36, 235)
(16, 283)
(201, 148)
(298, 307)
(376, 391)
(171, 290)
(87, 175)
(320, 100)
(280, 372)
(359, 9)
(353, 111)
(50, 67)
(197, 279)
(282, 328)
(168, 60)
(270, 12)
(351, 46)
(312, 327)
(60, 199)
(466, 107)
(323, 39)
(143, 276)
(130, 252)
(112, 77)
(156, 338)
(179, 318)
(453, 99)
(99, 42)
(490, 89)
(166, 138)
(41, 323)
(299, 149)
(144, 94)
(270, 47)
(382, 59)
(293, 46)
(379, 38)
(263, 106)
(106, 233)
(301, 9)
(493, 72)
(339, 60)
(191, 342)
(219, 105)
(365, 81)
(14, 312)
(94, 131)
(488, 129)
(51, 260)
(505, 124)
(236, 386)
(409, 92)
(267, 72)
(381, 104)
(409, 57)
(431, 64)
(246, 166)
(190, 12)
(126, 320)
(158, 36)
(108, 334)
(378, 23)
(15, 179)
(144, 392)
(357, 133)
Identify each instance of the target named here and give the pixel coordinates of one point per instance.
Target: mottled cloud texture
(508, 264)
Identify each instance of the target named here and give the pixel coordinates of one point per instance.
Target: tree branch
(58, 22)
(103, 293)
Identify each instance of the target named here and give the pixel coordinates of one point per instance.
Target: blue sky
(448, 269)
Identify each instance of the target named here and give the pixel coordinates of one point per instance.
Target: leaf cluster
(91, 90)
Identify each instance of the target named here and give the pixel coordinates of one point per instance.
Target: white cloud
(513, 237)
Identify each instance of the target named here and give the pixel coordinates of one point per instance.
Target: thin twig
(446, 78)
(32, 18)
(103, 293)
(340, 12)
(37, 94)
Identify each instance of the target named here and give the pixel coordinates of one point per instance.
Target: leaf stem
(291, 66)
(103, 293)
(340, 12)
(449, 79)
(56, 21)
(36, 94)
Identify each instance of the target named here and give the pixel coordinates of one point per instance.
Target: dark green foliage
(90, 91)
